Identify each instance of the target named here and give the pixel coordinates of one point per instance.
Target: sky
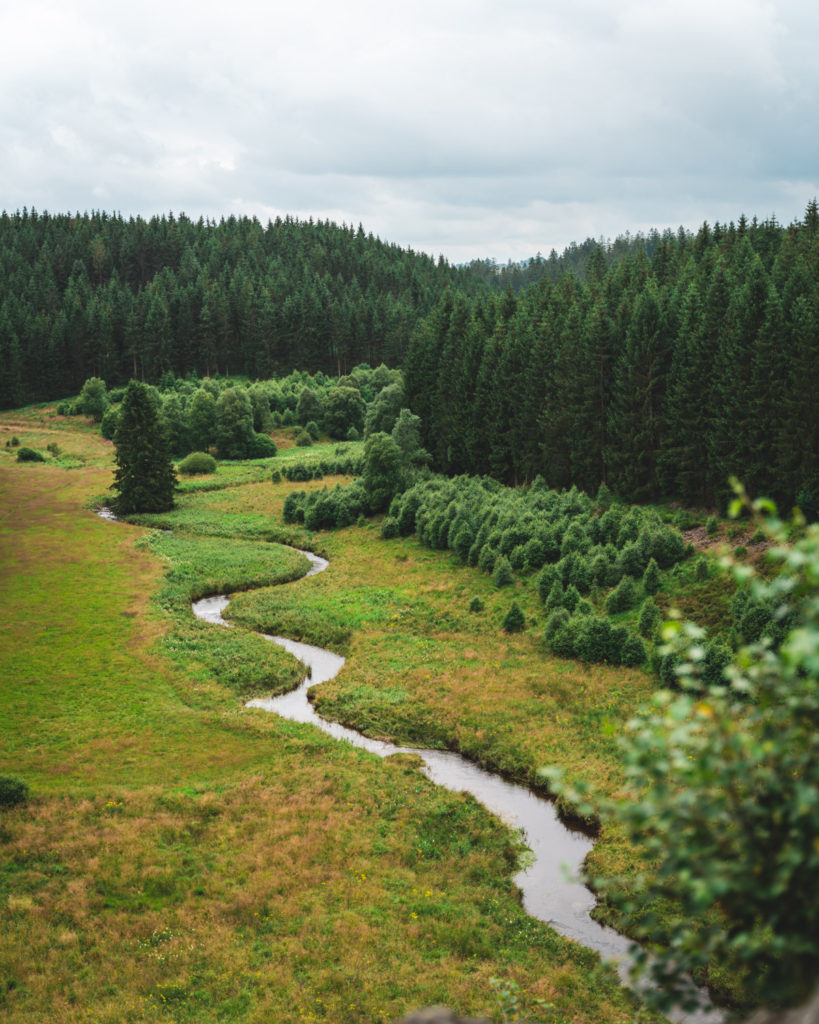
(475, 130)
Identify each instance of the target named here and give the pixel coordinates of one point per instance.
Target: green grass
(185, 859)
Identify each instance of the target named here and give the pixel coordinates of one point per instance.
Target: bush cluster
(564, 536)
(339, 465)
(592, 638)
(331, 507)
(236, 419)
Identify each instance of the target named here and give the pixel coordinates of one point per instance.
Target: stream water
(549, 893)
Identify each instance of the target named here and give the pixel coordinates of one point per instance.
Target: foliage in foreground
(724, 799)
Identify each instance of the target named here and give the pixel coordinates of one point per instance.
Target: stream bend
(549, 893)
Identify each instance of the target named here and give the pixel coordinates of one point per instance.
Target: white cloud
(469, 128)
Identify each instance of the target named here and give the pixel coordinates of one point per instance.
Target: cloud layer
(473, 129)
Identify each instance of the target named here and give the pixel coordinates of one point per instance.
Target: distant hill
(98, 295)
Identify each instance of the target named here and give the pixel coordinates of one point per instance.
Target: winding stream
(549, 894)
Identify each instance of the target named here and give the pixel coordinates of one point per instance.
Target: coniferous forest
(659, 375)
(100, 296)
(658, 365)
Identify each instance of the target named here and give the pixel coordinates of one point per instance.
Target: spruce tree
(145, 478)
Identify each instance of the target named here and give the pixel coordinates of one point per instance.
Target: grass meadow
(183, 858)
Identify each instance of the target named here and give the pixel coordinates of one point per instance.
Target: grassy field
(183, 858)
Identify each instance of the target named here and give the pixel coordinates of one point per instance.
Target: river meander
(549, 892)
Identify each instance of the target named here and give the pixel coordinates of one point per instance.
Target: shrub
(555, 596)
(197, 463)
(717, 655)
(741, 551)
(556, 621)
(15, 441)
(633, 652)
(514, 621)
(652, 581)
(702, 570)
(564, 640)
(389, 528)
(108, 425)
(502, 575)
(623, 597)
(650, 619)
(29, 455)
(571, 598)
(667, 546)
(712, 526)
(303, 439)
(293, 510)
(595, 640)
(633, 559)
(534, 553)
(353, 434)
(486, 559)
(13, 791)
(545, 581)
(580, 572)
(53, 448)
(476, 605)
(276, 476)
(262, 446)
(312, 429)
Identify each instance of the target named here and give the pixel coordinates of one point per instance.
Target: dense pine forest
(659, 365)
(100, 296)
(660, 375)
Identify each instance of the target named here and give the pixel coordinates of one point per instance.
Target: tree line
(660, 376)
(96, 295)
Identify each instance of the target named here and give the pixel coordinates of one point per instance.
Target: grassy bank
(184, 858)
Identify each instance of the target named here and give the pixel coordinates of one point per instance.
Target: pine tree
(145, 478)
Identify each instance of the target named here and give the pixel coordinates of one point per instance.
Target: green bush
(262, 446)
(557, 621)
(389, 528)
(623, 597)
(702, 570)
(312, 429)
(486, 559)
(353, 434)
(15, 441)
(502, 575)
(197, 463)
(571, 598)
(29, 455)
(633, 652)
(108, 426)
(476, 605)
(741, 551)
(652, 581)
(276, 476)
(555, 596)
(13, 791)
(514, 621)
(596, 640)
(649, 620)
(303, 439)
(545, 581)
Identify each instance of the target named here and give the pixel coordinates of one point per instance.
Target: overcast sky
(473, 129)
